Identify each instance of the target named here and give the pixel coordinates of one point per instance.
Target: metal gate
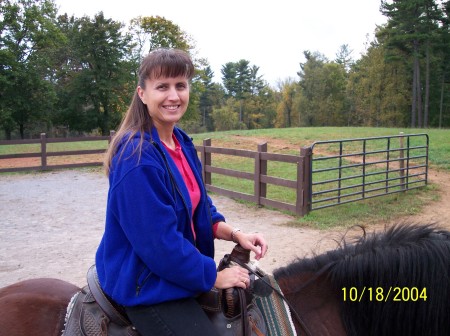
(344, 171)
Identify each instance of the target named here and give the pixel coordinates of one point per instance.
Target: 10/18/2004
(380, 294)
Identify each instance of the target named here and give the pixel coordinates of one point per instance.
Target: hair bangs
(167, 63)
(177, 69)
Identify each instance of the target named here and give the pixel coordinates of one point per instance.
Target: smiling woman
(167, 100)
(157, 252)
(160, 100)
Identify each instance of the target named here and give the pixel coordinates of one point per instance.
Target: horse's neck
(317, 304)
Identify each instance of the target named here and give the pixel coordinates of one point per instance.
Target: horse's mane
(410, 262)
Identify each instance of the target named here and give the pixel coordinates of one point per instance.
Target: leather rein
(279, 293)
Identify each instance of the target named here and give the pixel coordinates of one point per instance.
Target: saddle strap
(244, 313)
(106, 305)
(260, 275)
(255, 328)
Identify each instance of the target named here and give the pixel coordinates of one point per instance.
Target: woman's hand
(235, 276)
(252, 241)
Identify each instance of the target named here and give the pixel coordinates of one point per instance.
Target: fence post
(43, 151)
(206, 161)
(260, 169)
(303, 204)
(402, 161)
(112, 133)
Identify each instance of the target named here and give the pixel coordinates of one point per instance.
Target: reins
(228, 258)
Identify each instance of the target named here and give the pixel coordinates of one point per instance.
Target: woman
(157, 251)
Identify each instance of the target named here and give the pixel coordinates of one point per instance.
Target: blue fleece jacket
(148, 254)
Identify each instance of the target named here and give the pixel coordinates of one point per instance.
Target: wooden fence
(307, 175)
(44, 153)
(259, 175)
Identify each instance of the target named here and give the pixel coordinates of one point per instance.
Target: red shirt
(188, 177)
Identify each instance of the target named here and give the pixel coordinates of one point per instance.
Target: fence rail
(327, 173)
(44, 153)
(258, 176)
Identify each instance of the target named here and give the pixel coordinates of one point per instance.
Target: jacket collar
(181, 136)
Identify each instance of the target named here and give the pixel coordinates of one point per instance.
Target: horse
(395, 282)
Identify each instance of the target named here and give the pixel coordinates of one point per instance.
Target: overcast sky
(270, 34)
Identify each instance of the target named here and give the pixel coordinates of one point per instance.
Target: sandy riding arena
(51, 224)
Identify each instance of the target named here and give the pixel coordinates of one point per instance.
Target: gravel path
(51, 224)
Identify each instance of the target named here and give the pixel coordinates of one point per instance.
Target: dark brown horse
(391, 283)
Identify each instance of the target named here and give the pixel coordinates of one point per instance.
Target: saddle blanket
(276, 313)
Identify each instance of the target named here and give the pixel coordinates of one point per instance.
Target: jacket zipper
(204, 195)
(175, 186)
(140, 284)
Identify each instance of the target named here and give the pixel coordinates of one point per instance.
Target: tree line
(64, 75)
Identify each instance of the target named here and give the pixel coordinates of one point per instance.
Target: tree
(310, 83)
(97, 80)
(242, 82)
(289, 90)
(261, 109)
(323, 89)
(256, 82)
(344, 57)
(377, 89)
(211, 95)
(28, 36)
(443, 51)
(410, 29)
(153, 32)
(236, 78)
(226, 118)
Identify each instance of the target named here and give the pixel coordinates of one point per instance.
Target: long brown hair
(159, 63)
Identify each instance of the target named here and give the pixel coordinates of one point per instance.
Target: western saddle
(92, 313)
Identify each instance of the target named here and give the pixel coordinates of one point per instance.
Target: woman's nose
(173, 94)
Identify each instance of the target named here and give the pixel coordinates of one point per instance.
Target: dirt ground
(51, 224)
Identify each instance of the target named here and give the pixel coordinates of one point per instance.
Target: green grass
(63, 146)
(371, 211)
(19, 149)
(439, 152)
(53, 147)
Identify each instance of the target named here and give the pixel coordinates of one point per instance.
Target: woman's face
(166, 98)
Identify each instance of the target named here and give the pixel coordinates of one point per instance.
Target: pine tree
(411, 26)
